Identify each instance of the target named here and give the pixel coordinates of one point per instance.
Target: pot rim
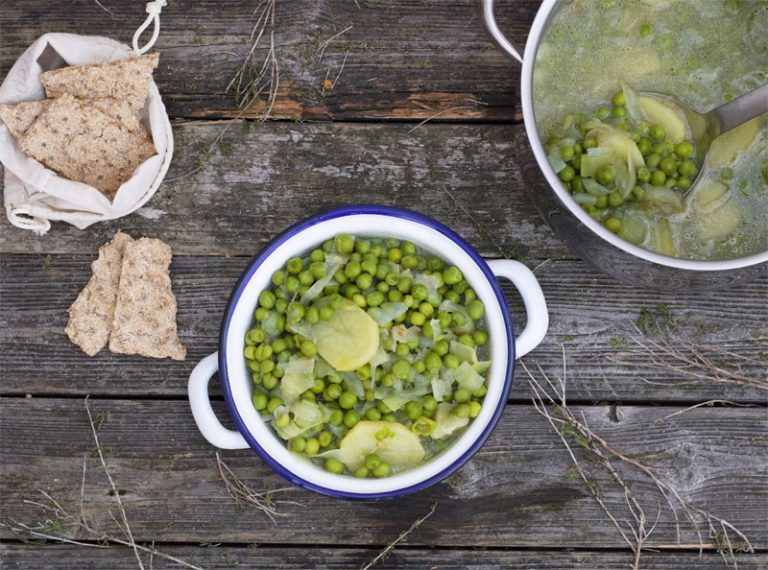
(506, 345)
(526, 93)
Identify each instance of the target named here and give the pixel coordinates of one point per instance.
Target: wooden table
(362, 137)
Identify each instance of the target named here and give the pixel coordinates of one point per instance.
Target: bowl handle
(533, 298)
(493, 30)
(206, 420)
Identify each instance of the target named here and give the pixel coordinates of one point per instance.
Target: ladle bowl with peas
(367, 353)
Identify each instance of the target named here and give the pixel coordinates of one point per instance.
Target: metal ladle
(705, 127)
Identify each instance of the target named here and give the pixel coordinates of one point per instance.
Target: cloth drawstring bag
(34, 195)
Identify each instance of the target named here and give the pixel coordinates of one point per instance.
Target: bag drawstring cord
(153, 9)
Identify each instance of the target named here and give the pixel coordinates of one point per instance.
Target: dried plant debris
(126, 79)
(85, 145)
(145, 313)
(90, 316)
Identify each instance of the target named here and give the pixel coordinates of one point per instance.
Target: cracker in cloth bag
(98, 95)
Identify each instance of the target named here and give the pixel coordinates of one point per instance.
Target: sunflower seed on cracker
(145, 313)
(90, 316)
(125, 79)
(85, 145)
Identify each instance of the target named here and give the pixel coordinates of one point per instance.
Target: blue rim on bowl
(331, 215)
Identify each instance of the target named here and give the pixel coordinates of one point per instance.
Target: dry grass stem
(703, 404)
(78, 524)
(103, 7)
(550, 401)
(244, 495)
(324, 45)
(448, 110)
(387, 550)
(252, 80)
(477, 224)
(678, 356)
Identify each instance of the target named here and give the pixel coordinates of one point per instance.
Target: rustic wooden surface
(232, 186)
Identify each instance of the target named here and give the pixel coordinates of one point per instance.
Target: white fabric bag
(33, 193)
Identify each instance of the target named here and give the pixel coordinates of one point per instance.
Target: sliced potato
(401, 448)
(719, 223)
(709, 194)
(349, 339)
(725, 147)
(656, 111)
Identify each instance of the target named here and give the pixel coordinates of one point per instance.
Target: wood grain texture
(231, 188)
(398, 59)
(595, 331)
(517, 491)
(226, 557)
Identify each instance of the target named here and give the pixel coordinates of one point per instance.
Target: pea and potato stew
(626, 154)
(368, 355)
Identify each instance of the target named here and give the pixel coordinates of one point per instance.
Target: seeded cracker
(145, 314)
(126, 79)
(83, 144)
(20, 117)
(90, 316)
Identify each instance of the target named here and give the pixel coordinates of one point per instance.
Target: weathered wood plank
(397, 60)
(308, 557)
(257, 181)
(590, 328)
(518, 491)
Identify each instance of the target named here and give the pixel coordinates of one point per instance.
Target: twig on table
(449, 109)
(79, 523)
(324, 45)
(243, 494)
(343, 63)
(103, 7)
(251, 81)
(119, 501)
(550, 401)
(707, 403)
(402, 538)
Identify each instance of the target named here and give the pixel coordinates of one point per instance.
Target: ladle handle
(493, 30)
(742, 109)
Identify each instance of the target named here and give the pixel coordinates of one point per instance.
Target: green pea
(657, 132)
(458, 319)
(383, 470)
(361, 472)
(466, 340)
(432, 361)
(613, 224)
(332, 392)
(689, 168)
(684, 149)
(267, 299)
(297, 444)
(389, 418)
(567, 174)
(462, 395)
(282, 420)
(658, 178)
(441, 347)
(589, 142)
(374, 298)
(474, 409)
(451, 361)
(452, 275)
(618, 99)
(417, 318)
(461, 411)
(347, 400)
(260, 400)
(645, 145)
(668, 165)
(414, 410)
(351, 418)
(401, 369)
(270, 381)
(603, 112)
(618, 112)
(577, 185)
(645, 30)
(345, 243)
(326, 313)
(476, 309)
(334, 466)
(606, 175)
(429, 404)
(372, 414)
(325, 438)
(643, 174)
(267, 366)
(480, 337)
(683, 182)
(638, 193)
(615, 199)
(312, 447)
(480, 392)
